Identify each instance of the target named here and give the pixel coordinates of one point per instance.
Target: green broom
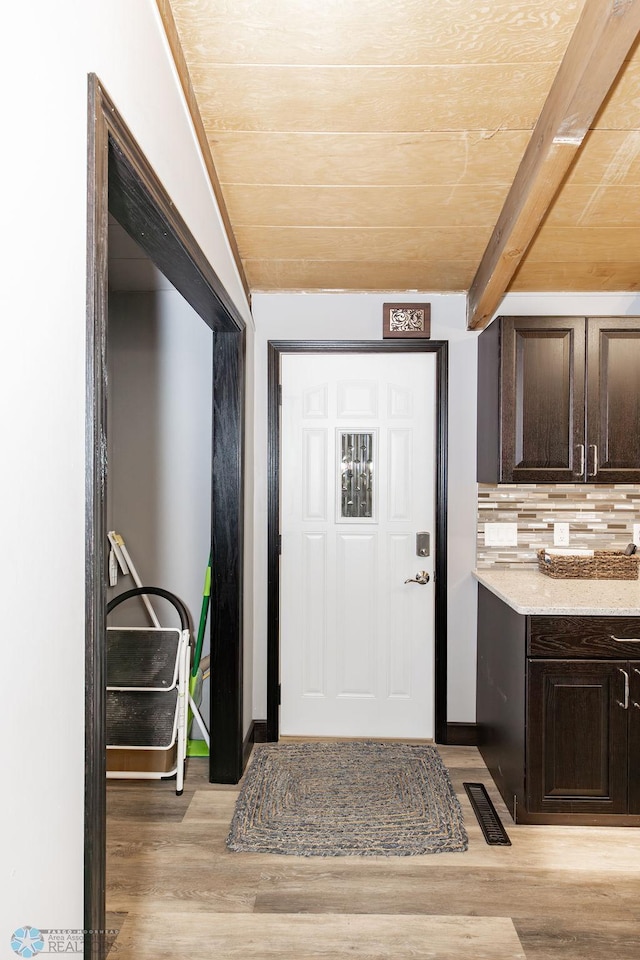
(198, 748)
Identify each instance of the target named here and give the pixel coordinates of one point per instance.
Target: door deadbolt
(423, 547)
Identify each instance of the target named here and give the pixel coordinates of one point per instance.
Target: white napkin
(569, 553)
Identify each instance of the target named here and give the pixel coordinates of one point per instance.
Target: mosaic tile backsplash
(600, 517)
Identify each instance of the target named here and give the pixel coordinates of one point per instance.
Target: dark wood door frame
(275, 350)
(120, 180)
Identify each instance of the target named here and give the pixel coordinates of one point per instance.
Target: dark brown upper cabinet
(559, 400)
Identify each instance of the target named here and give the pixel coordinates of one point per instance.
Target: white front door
(358, 478)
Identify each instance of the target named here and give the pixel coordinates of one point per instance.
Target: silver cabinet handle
(594, 447)
(625, 639)
(421, 578)
(580, 472)
(625, 705)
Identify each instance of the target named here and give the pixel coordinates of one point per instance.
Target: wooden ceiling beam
(601, 40)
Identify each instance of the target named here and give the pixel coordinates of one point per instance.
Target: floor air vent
(491, 824)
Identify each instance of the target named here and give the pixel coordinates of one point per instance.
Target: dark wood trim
(136, 196)
(275, 349)
(121, 180)
(260, 731)
(247, 743)
(95, 826)
(273, 549)
(462, 734)
(257, 733)
(440, 569)
(226, 760)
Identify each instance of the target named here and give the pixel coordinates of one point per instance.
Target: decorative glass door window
(356, 475)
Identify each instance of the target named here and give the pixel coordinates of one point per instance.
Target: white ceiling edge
(600, 303)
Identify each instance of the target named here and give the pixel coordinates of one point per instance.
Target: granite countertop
(530, 592)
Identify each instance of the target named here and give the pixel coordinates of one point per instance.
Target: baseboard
(247, 744)
(257, 733)
(458, 734)
(462, 734)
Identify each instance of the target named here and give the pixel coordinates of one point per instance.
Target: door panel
(358, 479)
(314, 466)
(356, 614)
(399, 491)
(577, 737)
(314, 638)
(613, 365)
(542, 398)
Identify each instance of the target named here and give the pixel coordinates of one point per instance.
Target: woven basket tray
(604, 565)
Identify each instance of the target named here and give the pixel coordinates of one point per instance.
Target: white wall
(570, 304)
(359, 317)
(43, 76)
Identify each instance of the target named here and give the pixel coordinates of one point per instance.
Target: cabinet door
(576, 736)
(542, 401)
(613, 400)
(634, 737)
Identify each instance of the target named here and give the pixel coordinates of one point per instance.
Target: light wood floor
(175, 891)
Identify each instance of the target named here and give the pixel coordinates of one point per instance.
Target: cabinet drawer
(585, 637)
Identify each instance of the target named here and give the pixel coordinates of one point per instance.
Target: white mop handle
(138, 583)
(136, 578)
(117, 543)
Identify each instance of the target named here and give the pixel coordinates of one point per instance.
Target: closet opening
(151, 414)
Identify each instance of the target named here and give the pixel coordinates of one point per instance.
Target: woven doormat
(350, 798)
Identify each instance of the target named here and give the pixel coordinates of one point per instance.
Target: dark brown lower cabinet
(577, 737)
(559, 714)
(634, 737)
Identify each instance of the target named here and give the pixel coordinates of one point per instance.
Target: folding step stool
(147, 692)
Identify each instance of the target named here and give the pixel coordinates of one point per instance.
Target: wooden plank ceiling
(371, 144)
